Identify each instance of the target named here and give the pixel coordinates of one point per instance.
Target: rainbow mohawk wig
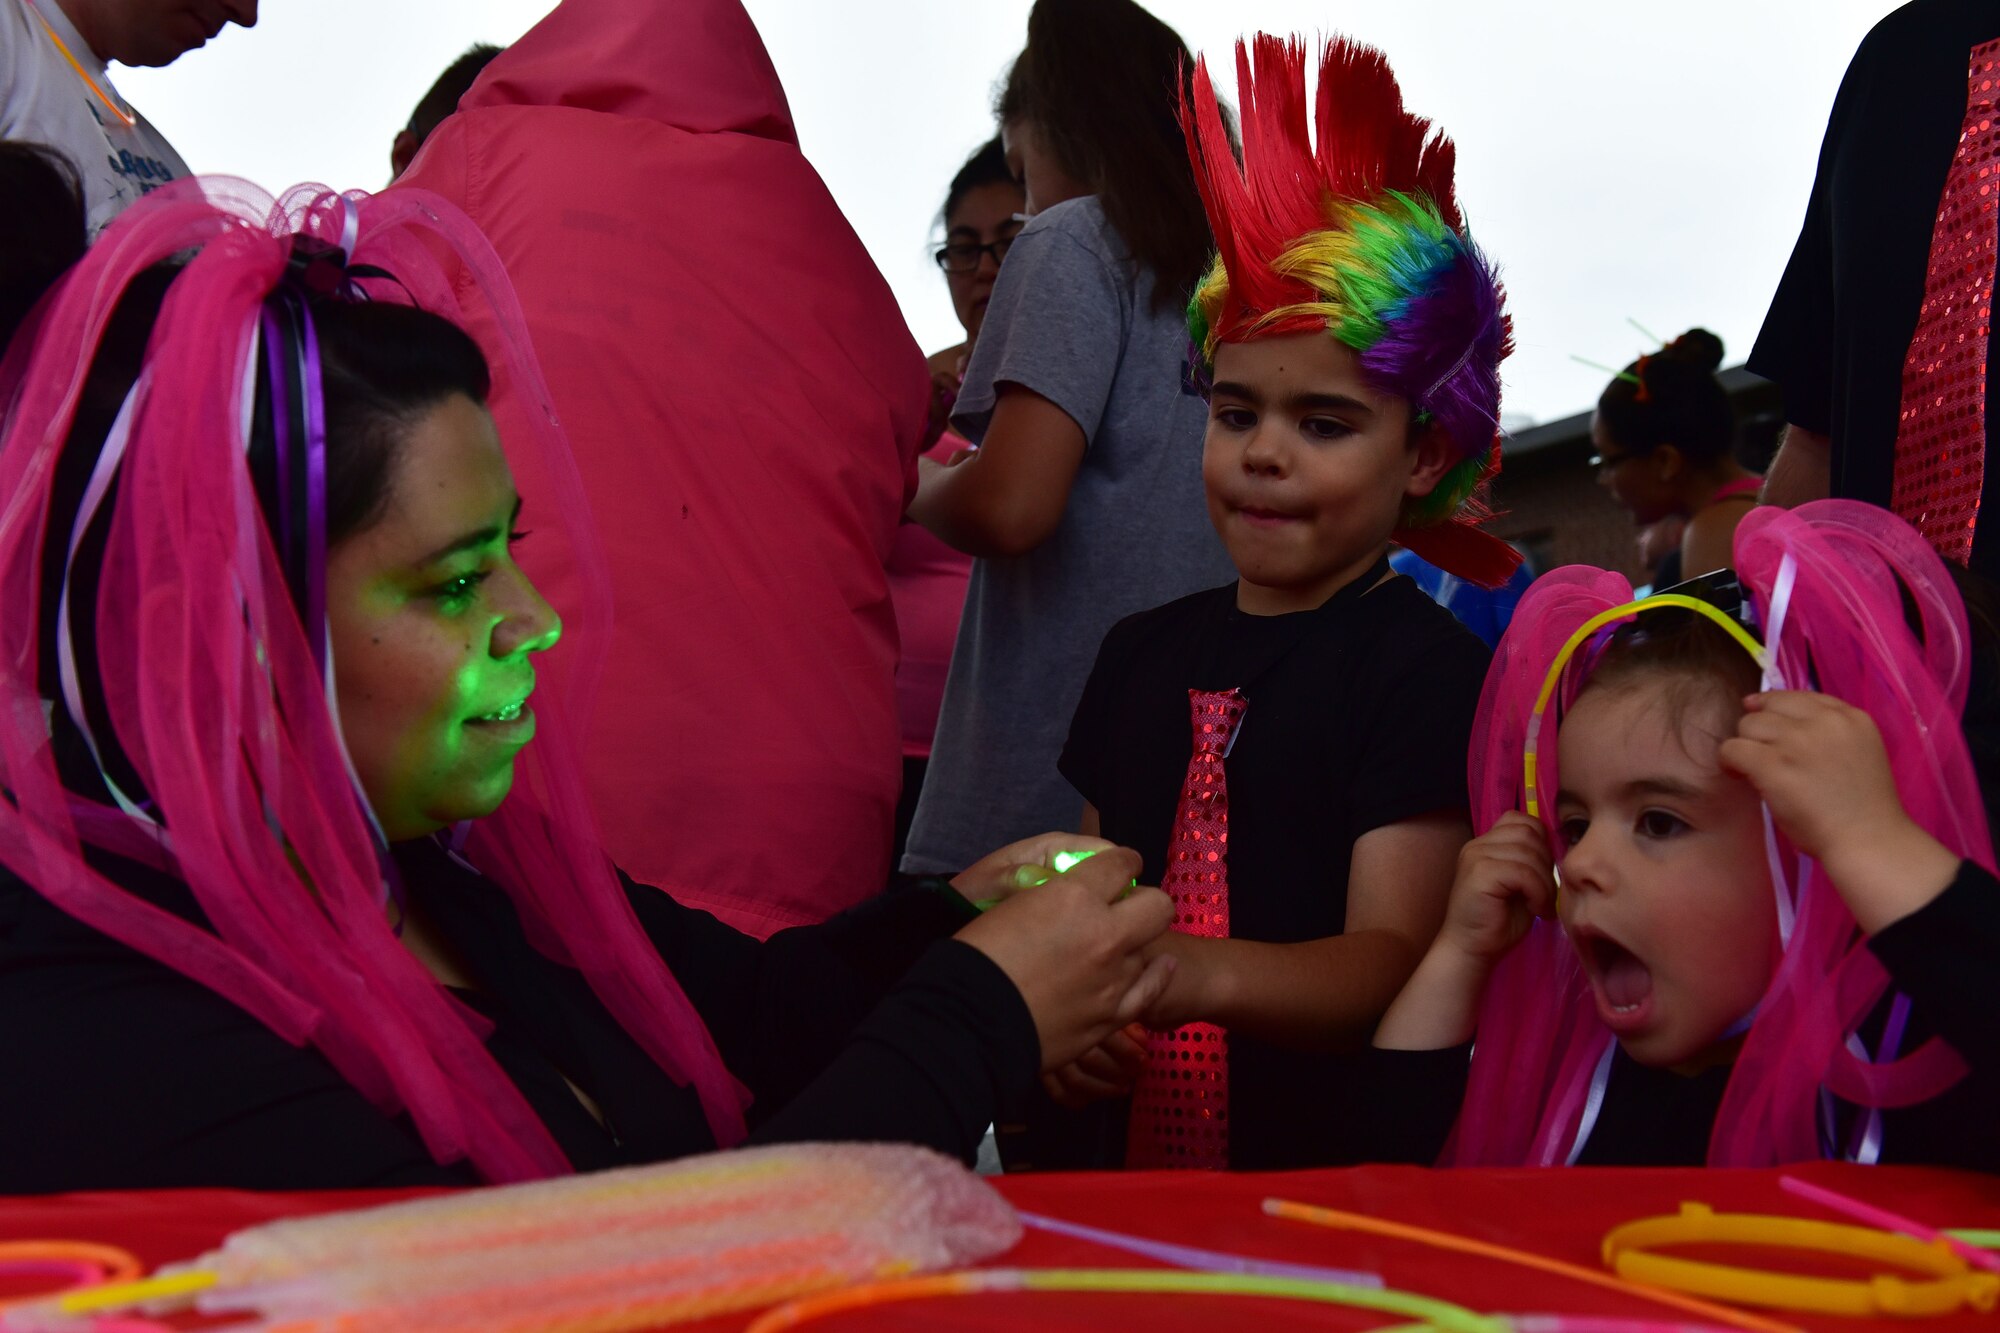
(1359, 235)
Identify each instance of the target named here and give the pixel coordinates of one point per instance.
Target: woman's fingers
(1148, 987)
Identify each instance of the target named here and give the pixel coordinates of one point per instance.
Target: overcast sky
(1621, 161)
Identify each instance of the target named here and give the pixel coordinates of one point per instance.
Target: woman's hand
(1020, 865)
(944, 392)
(1190, 995)
(1073, 947)
(1820, 766)
(1109, 1069)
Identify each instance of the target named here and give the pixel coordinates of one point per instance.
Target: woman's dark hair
(1101, 81)
(987, 166)
(43, 227)
(1672, 397)
(382, 367)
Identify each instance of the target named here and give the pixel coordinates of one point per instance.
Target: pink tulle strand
(215, 698)
(1845, 567)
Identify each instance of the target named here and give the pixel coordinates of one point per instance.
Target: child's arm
(1505, 880)
(1820, 766)
(1325, 994)
(1090, 824)
(1008, 498)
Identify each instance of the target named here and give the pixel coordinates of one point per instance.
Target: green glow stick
(1027, 877)
(1985, 1240)
(1435, 1314)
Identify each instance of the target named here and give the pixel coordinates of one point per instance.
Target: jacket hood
(697, 65)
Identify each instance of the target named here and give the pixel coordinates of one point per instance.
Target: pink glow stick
(1888, 1221)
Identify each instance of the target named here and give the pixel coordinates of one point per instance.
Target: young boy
(1309, 834)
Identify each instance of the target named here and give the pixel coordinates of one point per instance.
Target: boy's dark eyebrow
(1296, 402)
(1326, 402)
(473, 540)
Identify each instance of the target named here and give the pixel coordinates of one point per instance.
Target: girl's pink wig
(216, 700)
(1827, 582)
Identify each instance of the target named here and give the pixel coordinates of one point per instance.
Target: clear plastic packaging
(625, 1249)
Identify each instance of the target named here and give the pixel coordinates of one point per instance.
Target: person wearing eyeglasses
(982, 215)
(1666, 436)
(1084, 501)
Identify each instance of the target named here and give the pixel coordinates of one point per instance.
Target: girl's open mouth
(1622, 981)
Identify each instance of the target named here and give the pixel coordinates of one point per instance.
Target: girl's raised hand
(1505, 880)
(1820, 766)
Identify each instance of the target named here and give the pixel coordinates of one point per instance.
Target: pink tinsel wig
(1827, 583)
(216, 689)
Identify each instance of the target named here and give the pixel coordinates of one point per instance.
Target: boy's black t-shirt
(1359, 715)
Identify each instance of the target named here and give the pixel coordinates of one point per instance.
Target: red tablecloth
(1559, 1213)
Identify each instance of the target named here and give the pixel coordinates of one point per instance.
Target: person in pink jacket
(746, 406)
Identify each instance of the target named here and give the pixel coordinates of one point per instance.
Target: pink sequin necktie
(1180, 1109)
(1940, 464)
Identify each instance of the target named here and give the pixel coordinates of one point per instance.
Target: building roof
(1747, 391)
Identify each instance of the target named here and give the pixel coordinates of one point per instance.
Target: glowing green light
(1064, 860)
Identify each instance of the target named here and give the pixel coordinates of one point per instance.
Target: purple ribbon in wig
(310, 567)
(299, 469)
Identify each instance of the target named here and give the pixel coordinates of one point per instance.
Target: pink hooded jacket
(746, 405)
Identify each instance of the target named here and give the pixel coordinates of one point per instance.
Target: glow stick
(1151, 1281)
(1888, 1221)
(1444, 1240)
(1207, 1261)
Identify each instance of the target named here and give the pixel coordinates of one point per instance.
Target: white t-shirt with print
(43, 99)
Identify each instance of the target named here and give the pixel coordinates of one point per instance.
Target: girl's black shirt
(123, 1074)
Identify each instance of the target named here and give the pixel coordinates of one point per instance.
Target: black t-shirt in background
(1359, 715)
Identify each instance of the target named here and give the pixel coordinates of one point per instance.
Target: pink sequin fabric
(1941, 432)
(1180, 1109)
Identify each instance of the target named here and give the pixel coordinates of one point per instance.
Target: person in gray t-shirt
(1084, 502)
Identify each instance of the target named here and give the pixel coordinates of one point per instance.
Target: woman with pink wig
(269, 914)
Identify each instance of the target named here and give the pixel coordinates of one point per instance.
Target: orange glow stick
(115, 1264)
(1445, 1240)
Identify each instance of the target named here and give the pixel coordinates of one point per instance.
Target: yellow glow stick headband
(1657, 601)
(1946, 1282)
